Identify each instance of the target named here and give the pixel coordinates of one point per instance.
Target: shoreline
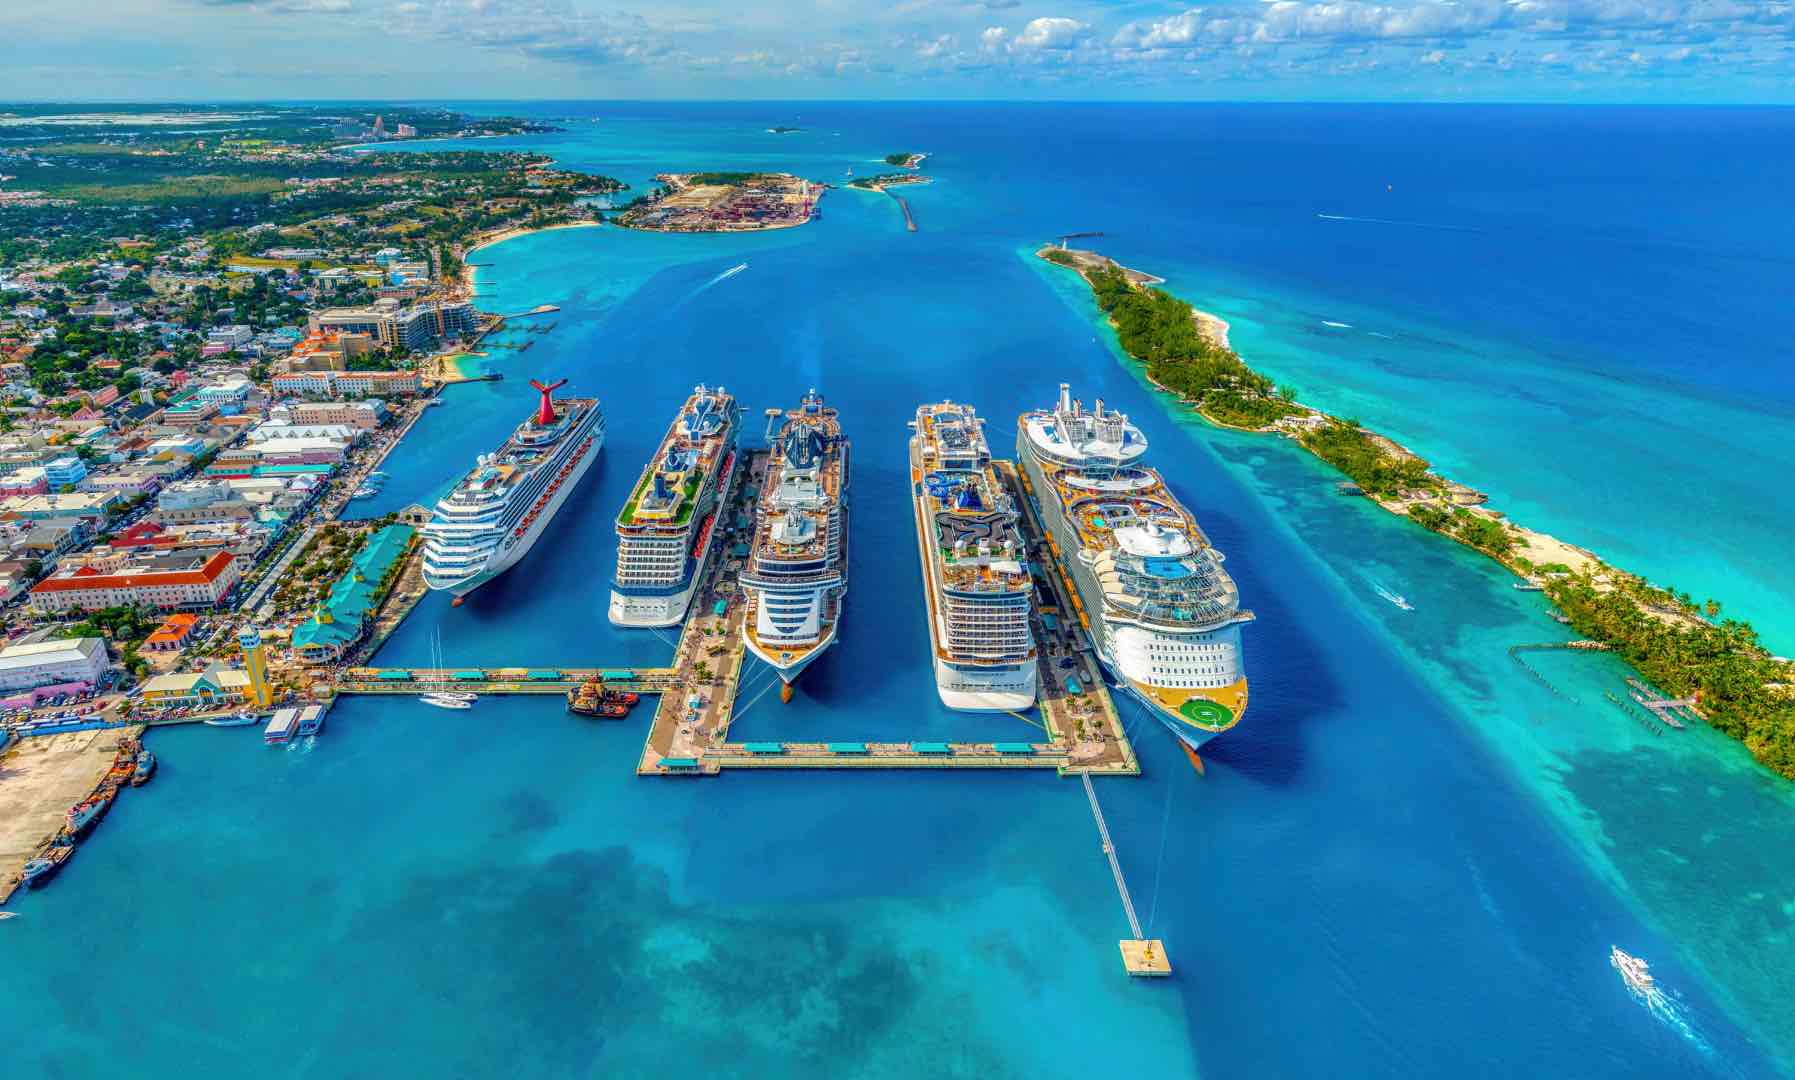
(1594, 598)
(502, 235)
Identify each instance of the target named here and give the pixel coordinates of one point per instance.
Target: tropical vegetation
(1740, 688)
(1161, 331)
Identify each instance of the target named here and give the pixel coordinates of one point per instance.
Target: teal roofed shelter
(342, 618)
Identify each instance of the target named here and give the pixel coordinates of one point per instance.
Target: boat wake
(1668, 1009)
(729, 273)
(1396, 598)
(1405, 224)
(1336, 325)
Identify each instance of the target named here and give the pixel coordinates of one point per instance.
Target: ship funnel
(545, 413)
(1065, 397)
(1099, 408)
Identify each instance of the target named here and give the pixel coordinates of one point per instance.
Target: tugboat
(146, 768)
(85, 815)
(39, 871)
(592, 698)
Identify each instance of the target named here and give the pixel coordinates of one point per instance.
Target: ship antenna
(545, 414)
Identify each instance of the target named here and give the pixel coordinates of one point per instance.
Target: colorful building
(342, 619)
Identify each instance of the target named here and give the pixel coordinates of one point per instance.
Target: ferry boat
(1148, 588)
(796, 576)
(667, 529)
(980, 595)
(492, 518)
(282, 726)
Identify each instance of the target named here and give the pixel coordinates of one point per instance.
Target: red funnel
(545, 413)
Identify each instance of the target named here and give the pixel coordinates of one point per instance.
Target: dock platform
(1146, 959)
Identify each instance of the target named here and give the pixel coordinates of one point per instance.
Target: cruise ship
(1161, 612)
(495, 513)
(665, 531)
(980, 595)
(797, 572)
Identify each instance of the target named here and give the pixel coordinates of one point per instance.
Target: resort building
(171, 581)
(63, 662)
(361, 415)
(345, 383)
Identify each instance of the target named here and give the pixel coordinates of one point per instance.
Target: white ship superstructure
(797, 572)
(496, 513)
(979, 592)
(666, 530)
(1160, 611)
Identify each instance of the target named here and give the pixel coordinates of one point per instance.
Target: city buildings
(63, 662)
(171, 581)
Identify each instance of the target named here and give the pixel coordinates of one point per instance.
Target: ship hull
(971, 689)
(508, 556)
(789, 670)
(652, 611)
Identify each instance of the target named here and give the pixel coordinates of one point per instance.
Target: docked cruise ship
(797, 572)
(493, 516)
(979, 591)
(1161, 612)
(665, 531)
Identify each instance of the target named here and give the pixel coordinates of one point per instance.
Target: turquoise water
(1411, 859)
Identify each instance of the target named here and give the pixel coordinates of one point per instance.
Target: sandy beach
(467, 277)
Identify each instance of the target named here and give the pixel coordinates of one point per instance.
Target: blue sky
(1506, 50)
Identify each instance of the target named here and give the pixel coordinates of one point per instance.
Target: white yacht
(797, 572)
(1148, 588)
(975, 577)
(666, 532)
(499, 510)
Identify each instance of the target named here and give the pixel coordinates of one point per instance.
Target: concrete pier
(41, 777)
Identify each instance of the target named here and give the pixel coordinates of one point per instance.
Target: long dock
(700, 692)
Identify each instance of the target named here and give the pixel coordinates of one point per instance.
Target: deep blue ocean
(1410, 859)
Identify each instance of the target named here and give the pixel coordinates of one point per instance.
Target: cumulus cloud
(1050, 33)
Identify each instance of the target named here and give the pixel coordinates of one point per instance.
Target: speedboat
(443, 701)
(240, 720)
(1633, 971)
(1396, 598)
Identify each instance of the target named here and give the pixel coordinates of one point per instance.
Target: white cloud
(1050, 33)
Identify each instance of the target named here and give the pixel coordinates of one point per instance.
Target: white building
(46, 663)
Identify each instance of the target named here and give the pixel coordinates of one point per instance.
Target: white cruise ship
(496, 513)
(797, 572)
(980, 595)
(1161, 612)
(667, 529)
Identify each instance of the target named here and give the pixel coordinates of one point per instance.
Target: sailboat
(444, 699)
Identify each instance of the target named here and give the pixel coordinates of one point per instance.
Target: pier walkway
(509, 680)
(700, 691)
(1075, 701)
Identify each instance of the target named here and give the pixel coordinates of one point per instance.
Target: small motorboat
(242, 719)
